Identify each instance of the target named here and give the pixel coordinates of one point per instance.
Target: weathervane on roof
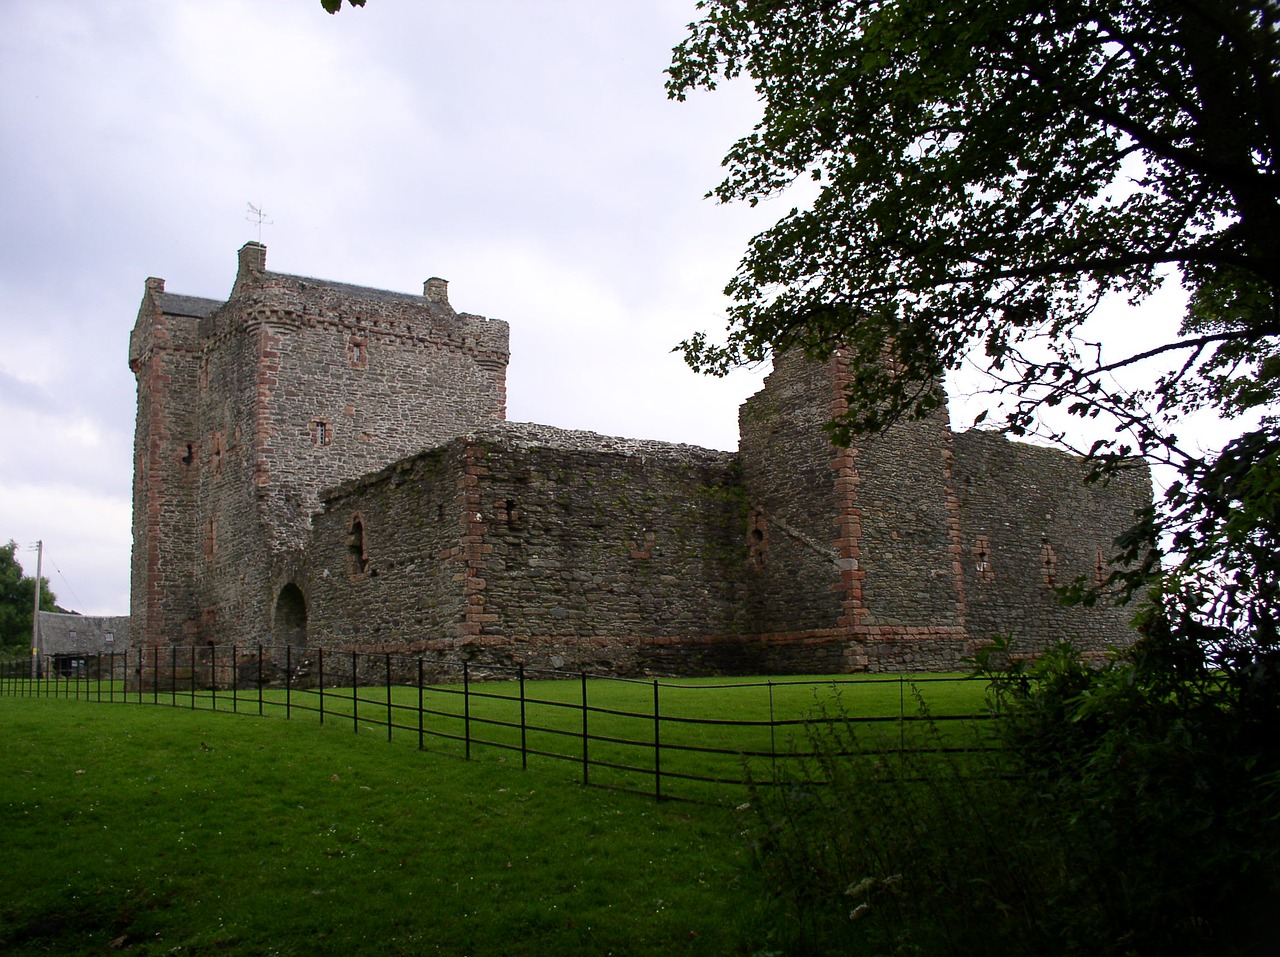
(258, 218)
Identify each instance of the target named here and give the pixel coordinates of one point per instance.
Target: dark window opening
(757, 540)
(982, 555)
(358, 352)
(507, 512)
(356, 548)
(1049, 560)
(321, 433)
(190, 456)
(289, 623)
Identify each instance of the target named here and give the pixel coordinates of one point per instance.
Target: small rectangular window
(321, 433)
(358, 352)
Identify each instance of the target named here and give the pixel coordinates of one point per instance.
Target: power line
(67, 582)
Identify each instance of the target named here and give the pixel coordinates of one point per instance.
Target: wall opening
(982, 559)
(358, 352)
(357, 549)
(289, 623)
(1049, 564)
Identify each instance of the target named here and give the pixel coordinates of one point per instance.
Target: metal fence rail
(696, 740)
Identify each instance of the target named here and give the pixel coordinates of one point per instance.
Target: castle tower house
(249, 408)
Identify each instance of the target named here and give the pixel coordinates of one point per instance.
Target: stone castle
(326, 465)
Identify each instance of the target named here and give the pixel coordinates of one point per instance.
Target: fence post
(320, 667)
(524, 743)
(235, 681)
(142, 667)
(420, 713)
(288, 681)
(155, 673)
(192, 671)
(259, 679)
(657, 746)
(173, 675)
(355, 695)
(902, 714)
(213, 677)
(466, 707)
(773, 735)
(586, 766)
(388, 661)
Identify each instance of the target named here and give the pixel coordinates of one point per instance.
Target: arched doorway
(289, 623)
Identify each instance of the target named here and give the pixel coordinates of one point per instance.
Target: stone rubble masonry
(249, 408)
(330, 465)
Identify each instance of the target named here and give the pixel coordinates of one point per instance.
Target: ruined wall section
(795, 569)
(163, 356)
(384, 569)
(1031, 524)
(601, 545)
(905, 602)
(544, 546)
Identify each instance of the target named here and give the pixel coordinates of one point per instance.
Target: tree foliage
(333, 6)
(988, 172)
(17, 596)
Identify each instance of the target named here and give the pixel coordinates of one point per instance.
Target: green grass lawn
(167, 831)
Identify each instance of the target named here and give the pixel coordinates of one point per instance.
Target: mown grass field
(163, 830)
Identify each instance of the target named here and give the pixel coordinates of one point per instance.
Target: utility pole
(35, 614)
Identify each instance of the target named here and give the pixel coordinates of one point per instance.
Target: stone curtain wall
(383, 571)
(543, 546)
(1029, 524)
(601, 544)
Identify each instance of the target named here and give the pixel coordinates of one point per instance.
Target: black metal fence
(697, 739)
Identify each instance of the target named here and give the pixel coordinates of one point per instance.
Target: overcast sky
(525, 151)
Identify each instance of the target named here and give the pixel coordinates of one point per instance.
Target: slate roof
(175, 305)
(66, 634)
(355, 292)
